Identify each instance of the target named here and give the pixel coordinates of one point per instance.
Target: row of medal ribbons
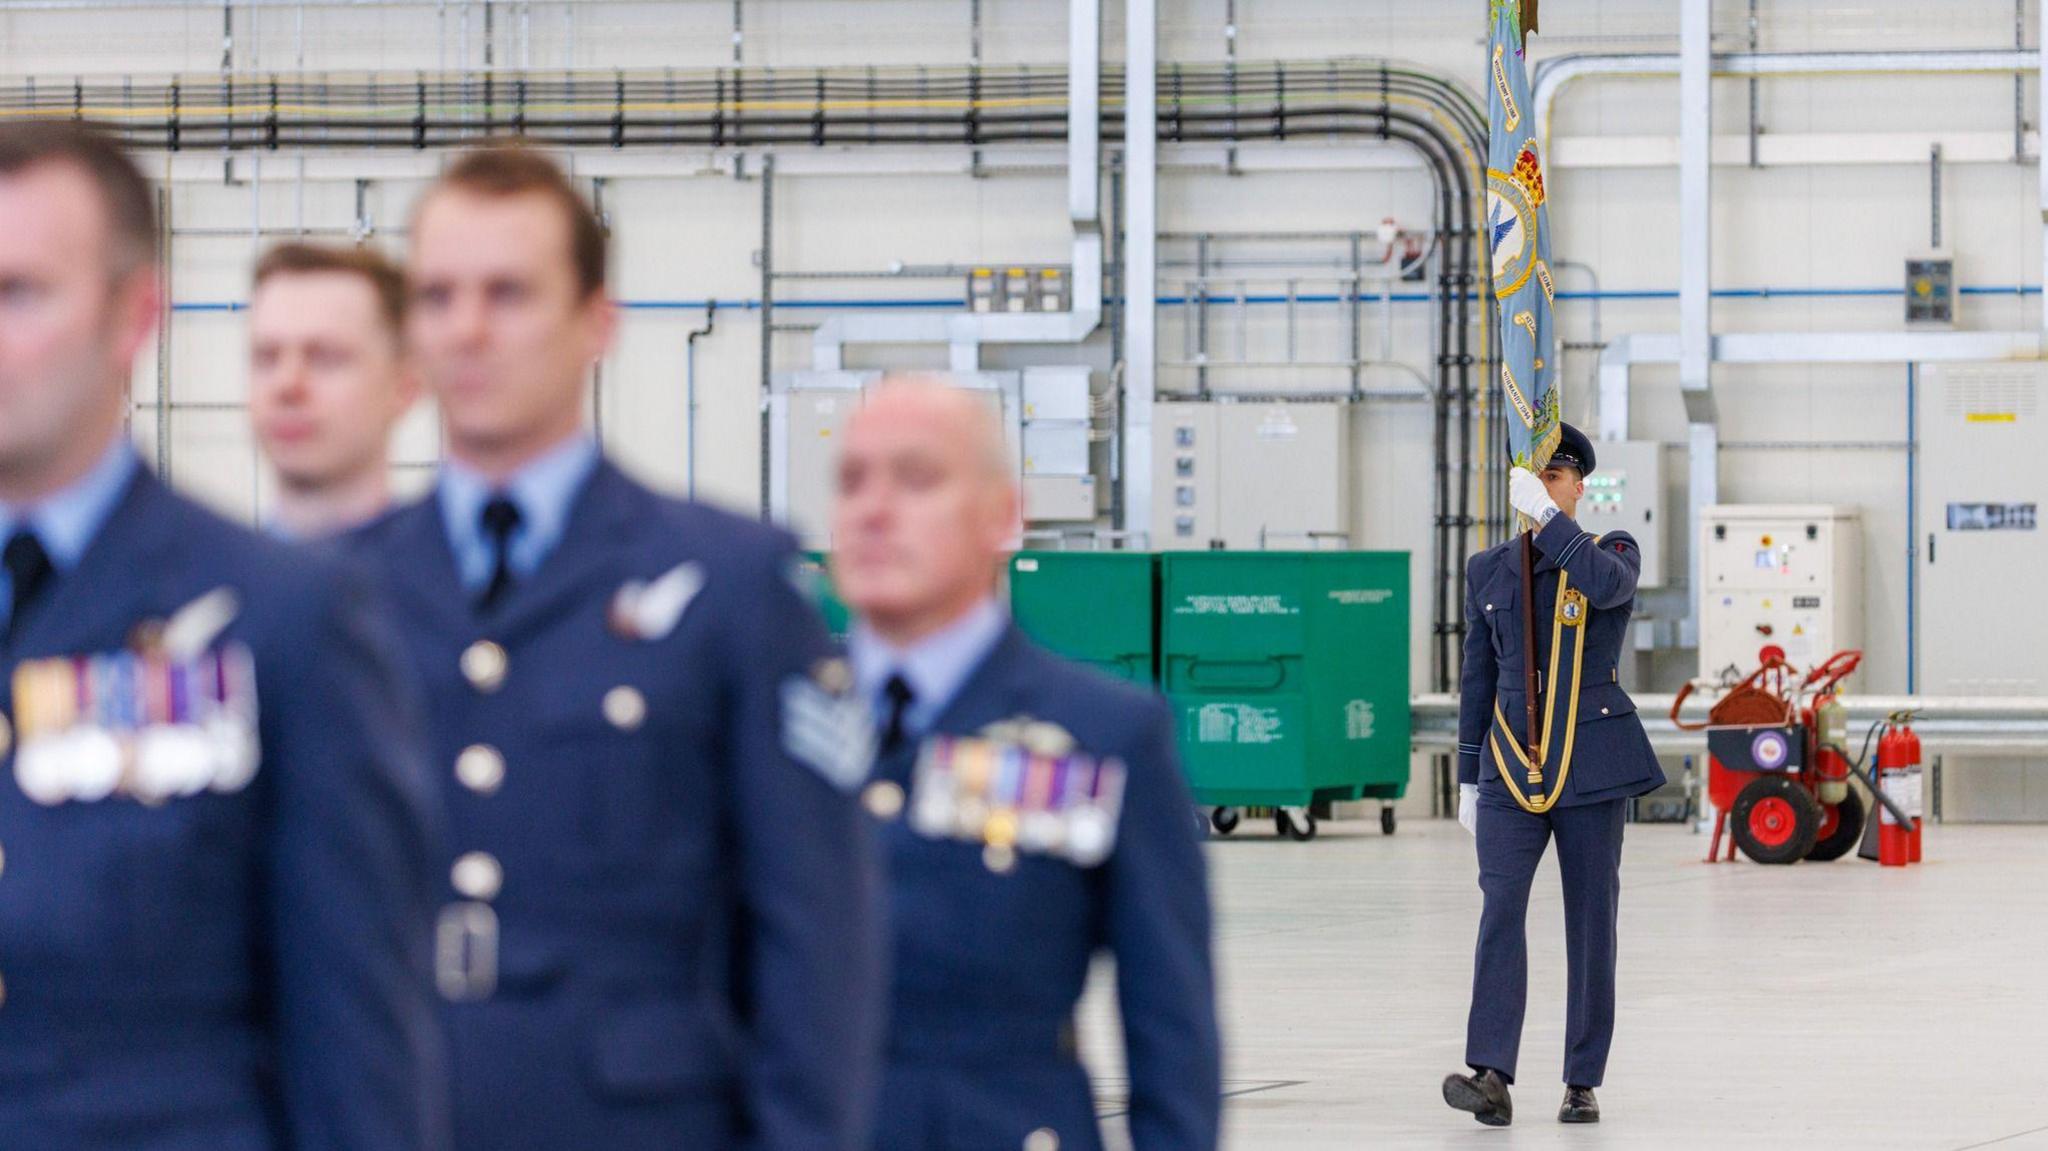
(143, 725)
(1010, 799)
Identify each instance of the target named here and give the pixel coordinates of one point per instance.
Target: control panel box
(1783, 575)
(1626, 493)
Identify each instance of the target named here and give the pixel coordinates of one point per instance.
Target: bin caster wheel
(1225, 819)
(1387, 822)
(1295, 823)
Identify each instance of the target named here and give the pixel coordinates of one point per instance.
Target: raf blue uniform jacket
(989, 967)
(1612, 757)
(687, 944)
(241, 971)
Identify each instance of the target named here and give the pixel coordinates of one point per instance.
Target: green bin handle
(1130, 663)
(1272, 663)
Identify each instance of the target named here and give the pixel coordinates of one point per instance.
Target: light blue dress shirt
(936, 667)
(543, 490)
(66, 522)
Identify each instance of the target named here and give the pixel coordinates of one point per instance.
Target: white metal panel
(1185, 469)
(1056, 394)
(1982, 628)
(1055, 449)
(1981, 625)
(1059, 499)
(815, 416)
(1284, 476)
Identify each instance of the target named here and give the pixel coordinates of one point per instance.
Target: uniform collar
(544, 491)
(66, 522)
(936, 667)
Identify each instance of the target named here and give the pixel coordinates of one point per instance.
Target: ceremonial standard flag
(1518, 229)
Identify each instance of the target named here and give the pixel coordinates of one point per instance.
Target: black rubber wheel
(1387, 822)
(1775, 820)
(1225, 819)
(1287, 828)
(1841, 829)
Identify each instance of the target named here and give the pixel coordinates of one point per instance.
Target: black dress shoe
(1484, 1094)
(1579, 1106)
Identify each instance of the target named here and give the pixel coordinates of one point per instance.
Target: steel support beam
(1695, 267)
(1141, 259)
(2041, 69)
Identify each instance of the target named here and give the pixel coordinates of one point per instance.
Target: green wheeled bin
(1288, 675)
(1097, 608)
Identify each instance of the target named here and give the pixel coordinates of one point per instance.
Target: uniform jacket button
(625, 708)
(1043, 1139)
(481, 768)
(477, 875)
(883, 799)
(484, 665)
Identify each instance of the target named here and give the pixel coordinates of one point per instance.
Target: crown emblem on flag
(1529, 173)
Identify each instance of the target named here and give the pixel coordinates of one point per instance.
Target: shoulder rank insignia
(650, 611)
(1011, 797)
(149, 724)
(826, 727)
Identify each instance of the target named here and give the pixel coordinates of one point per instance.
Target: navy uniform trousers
(244, 966)
(990, 966)
(1611, 762)
(661, 929)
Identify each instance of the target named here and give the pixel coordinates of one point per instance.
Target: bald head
(927, 509)
(954, 416)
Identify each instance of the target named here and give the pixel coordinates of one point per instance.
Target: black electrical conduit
(1196, 104)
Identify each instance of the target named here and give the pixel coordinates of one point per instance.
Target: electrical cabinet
(1626, 493)
(1251, 476)
(1783, 575)
(1977, 547)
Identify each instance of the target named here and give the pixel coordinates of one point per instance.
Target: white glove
(1527, 493)
(1468, 807)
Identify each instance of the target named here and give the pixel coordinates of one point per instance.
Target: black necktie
(29, 570)
(500, 518)
(899, 696)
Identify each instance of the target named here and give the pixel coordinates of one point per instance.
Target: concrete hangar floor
(1834, 1005)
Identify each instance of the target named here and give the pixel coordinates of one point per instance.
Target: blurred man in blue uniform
(328, 382)
(1590, 757)
(1033, 812)
(215, 840)
(662, 922)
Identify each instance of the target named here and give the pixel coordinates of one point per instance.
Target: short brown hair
(515, 168)
(295, 258)
(130, 204)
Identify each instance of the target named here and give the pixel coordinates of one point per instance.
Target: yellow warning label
(1992, 418)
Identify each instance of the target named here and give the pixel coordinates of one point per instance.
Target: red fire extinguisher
(1898, 773)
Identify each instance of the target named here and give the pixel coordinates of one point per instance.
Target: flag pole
(1529, 638)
